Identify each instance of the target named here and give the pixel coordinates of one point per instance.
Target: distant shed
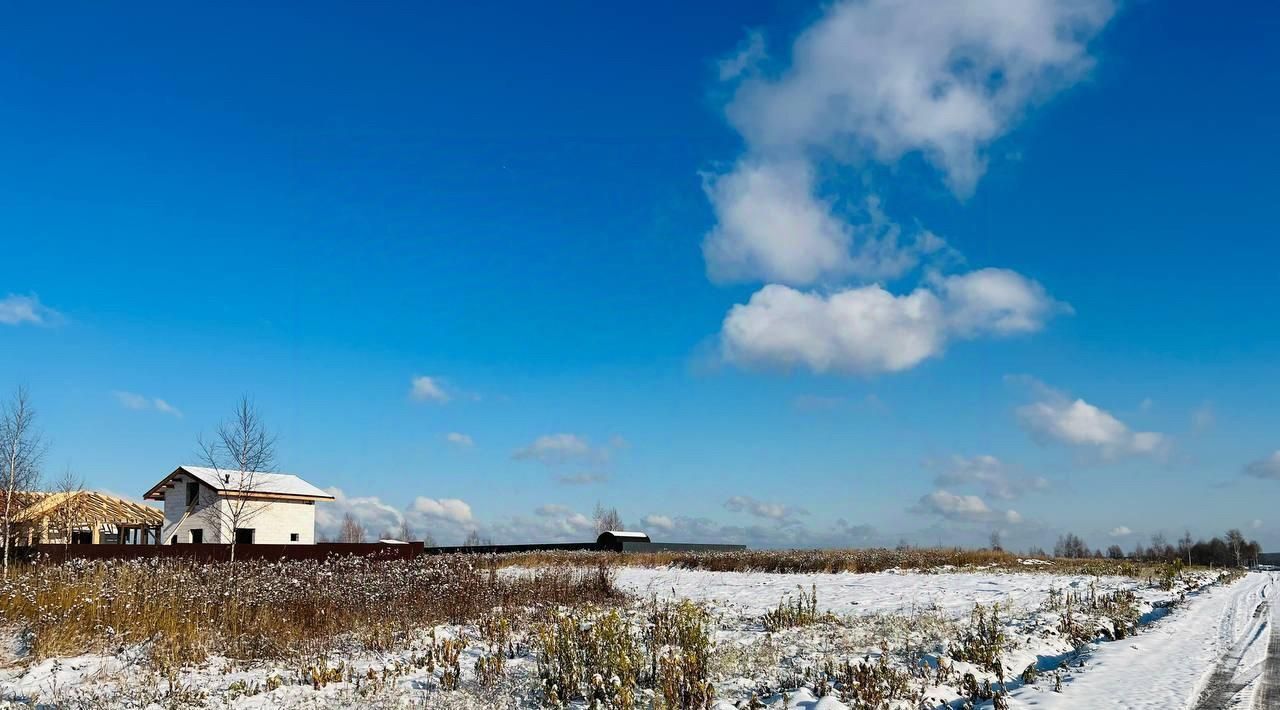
(616, 539)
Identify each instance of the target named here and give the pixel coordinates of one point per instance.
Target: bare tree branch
(240, 450)
(22, 450)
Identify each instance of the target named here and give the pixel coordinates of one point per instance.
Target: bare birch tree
(607, 519)
(22, 448)
(351, 531)
(68, 514)
(239, 451)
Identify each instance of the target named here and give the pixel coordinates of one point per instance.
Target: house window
(193, 493)
(244, 536)
(197, 536)
(81, 537)
(294, 537)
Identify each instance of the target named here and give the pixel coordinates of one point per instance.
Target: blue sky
(777, 272)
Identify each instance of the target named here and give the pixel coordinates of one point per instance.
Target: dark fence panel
(210, 552)
(220, 553)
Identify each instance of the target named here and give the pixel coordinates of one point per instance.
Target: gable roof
(245, 483)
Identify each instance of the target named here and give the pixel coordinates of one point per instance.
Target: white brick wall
(272, 521)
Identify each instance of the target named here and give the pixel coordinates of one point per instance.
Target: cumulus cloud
(450, 510)
(1267, 467)
(996, 478)
(372, 514)
(133, 400)
(22, 310)
(462, 441)
(877, 80)
(770, 226)
(883, 78)
(963, 508)
(1075, 422)
(869, 82)
(424, 388)
(868, 330)
(1121, 531)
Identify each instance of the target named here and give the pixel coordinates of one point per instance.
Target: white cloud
(770, 226)
(447, 509)
(133, 400)
(869, 330)
(761, 509)
(1078, 423)
(963, 508)
(1121, 531)
(883, 78)
(878, 80)
(1266, 468)
(460, 440)
(552, 510)
(1256, 525)
(446, 519)
(19, 310)
(997, 478)
(374, 515)
(659, 522)
(556, 449)
(428, 389)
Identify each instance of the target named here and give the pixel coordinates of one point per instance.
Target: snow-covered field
(1205, 642)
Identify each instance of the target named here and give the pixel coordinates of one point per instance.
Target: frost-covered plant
(802, 610)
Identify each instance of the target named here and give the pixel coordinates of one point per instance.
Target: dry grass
(815, 561)
(186, 611)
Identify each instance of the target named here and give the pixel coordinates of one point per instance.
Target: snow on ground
(845, 593)
(1173, 661)
(1167, 665)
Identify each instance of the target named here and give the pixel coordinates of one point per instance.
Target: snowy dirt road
(1211, 654)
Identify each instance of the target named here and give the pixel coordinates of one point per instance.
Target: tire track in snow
(1269, 690)
(1229, 676)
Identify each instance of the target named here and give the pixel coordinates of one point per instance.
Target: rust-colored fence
(219, 553)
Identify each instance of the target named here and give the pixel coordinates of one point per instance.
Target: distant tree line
(1233, 550)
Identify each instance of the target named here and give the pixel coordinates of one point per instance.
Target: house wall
(175, 505)
(273, 521)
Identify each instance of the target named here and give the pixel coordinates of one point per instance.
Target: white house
(211, 505)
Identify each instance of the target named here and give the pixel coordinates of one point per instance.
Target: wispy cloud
(460, 440)
(425, 388)
(996, 478)
(763, 509)
(133, 400)
(27, 310)
(585, 478)
(1267, 467)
